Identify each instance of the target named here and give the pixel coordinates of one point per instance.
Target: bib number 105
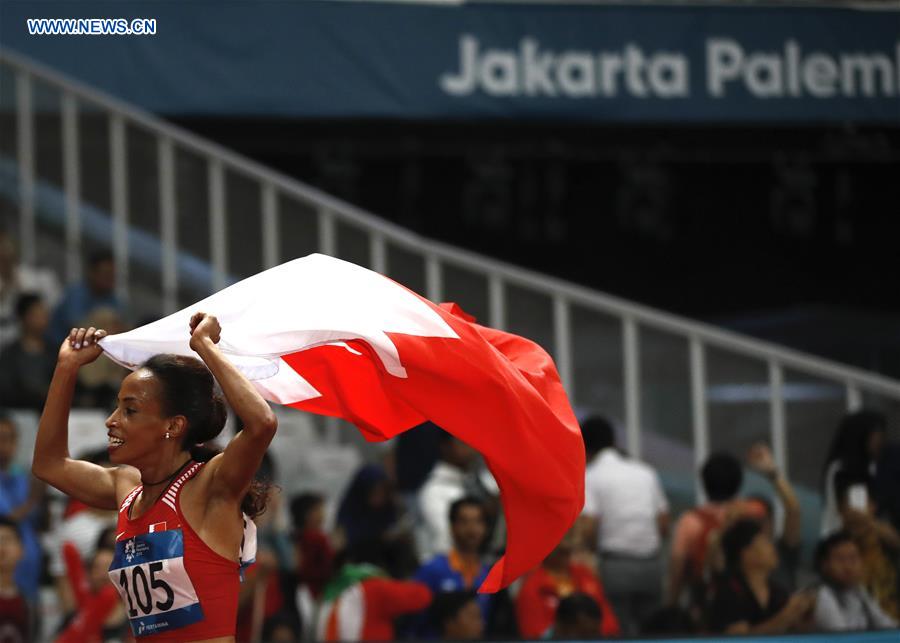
(141, 590)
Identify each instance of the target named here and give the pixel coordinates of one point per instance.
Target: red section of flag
(498, 392)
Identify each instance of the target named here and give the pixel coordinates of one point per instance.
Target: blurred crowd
(402, 552)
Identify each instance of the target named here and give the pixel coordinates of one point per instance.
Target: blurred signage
(727, 66)
(507, 61)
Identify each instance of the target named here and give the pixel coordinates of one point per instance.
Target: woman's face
(315, 519)
(37, 318)
(844, 565)
(10, 549)
(562, 553)
(761, 553)
(378, 495)
(467, 625)
(136, 426)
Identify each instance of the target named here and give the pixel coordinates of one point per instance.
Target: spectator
(445, 484)
(82, 526)
(16, 279)
(259, 598)
(100, 615)
(578, 617)
(627, 517)
(281, 628)
(271, 528)
(15, 622)
(462, 568)
(457, 616)
(852, 456)
(722, 477)
(367, 511)
(554, 580)
(26, 364)
(21, 499)
(361, 601)
(669, 621)
(415, 452)
(261, 594)
(746, 600)
(760, 459)
(314, 553)
(80, 300)
(878, 542)
(116, 626)
(887, 483)
(842, 602)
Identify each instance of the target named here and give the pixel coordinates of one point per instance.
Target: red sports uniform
(175, 588)
(541, 593)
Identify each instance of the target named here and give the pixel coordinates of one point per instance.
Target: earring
(167, 435)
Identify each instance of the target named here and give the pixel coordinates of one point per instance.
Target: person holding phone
(853, 455)
(183, 510)
(745, 599)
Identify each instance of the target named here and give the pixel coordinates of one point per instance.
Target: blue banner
(530, 61)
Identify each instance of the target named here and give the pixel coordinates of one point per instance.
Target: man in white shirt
(842, 602)
(17, 279)
(627, 515)
(445, 484)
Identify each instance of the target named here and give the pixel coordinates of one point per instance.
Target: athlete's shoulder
(207, 469)
(202, 481)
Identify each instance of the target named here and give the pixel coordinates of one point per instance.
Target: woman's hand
(81, 347)
(799, 605)
(204, 326)
(761, 460)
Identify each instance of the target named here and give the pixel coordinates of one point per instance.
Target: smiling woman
(181, 534)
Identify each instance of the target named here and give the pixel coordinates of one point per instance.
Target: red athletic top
(541, 593)
(175, 588)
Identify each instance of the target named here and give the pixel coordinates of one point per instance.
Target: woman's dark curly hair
(850, 443)
(189, 389)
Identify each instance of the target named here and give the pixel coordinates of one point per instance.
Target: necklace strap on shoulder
(169, 479)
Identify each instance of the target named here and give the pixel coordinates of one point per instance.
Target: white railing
(383, 239)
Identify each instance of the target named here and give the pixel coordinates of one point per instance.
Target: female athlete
(183, 510)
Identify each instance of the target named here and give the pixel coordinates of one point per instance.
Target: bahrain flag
(329, 337)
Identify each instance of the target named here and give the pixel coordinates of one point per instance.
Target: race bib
(148, 570)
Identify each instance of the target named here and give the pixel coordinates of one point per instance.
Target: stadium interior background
(775, 218)
(783, 231)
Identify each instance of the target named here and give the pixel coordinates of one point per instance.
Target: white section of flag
(304, 303)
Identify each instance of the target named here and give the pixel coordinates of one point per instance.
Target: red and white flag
(327, 336)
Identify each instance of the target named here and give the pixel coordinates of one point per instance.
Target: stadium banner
(559, 61)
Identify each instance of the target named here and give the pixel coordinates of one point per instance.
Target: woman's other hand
(81, 346)
(204, 326)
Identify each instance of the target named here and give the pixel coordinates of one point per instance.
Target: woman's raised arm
(92, 484)
(235, 467)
